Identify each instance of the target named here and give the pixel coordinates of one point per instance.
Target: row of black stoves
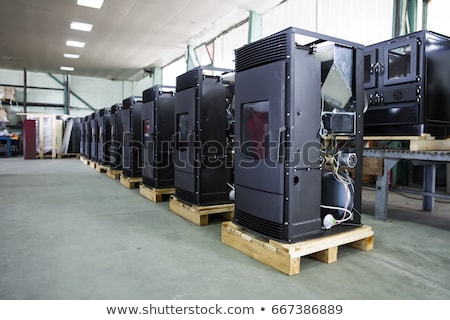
(264, 135)
(170, 136)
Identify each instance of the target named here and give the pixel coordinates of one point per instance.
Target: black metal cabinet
(82, 136)
(292, 90)
(405, 79)
(87, 137)
(158, 111)
(94, 136)
(115, 144)
(202, 150)
(104, 136)
(132, 143)
(74, 145)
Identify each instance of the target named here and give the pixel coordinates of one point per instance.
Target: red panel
(29, 139)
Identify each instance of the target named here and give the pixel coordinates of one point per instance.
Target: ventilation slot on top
(187, 80)
(262, 52)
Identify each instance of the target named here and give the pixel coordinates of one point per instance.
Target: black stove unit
(406, 82)
(203, 149)
(87, 137)
(104, 135)
(295, 92)
(82, 136)
(132, 144)
(74, 145)
(94, 136)
(158, 112)
(114, 146)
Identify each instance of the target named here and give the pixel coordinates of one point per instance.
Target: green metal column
(192, 59)
(254, 26)
(425, 14)
(412, 15)
(157, 76)
(66, 94)
(404, 17)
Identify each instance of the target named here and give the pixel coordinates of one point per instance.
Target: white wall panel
(225, 45)
(361, 21)
(438, 11)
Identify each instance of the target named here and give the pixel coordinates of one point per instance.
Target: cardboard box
(9, 93)
(3, 117)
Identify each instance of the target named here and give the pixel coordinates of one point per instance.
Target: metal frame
(429, 159)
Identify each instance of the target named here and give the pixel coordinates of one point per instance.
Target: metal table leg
(429, 185)
(382, 189)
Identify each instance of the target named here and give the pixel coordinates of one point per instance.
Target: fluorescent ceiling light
(71, 55)
(67, 68)
(81, 26)
(77, 44)
(97, 4)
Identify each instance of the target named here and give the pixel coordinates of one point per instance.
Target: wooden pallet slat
(130, 182)
(285, 257)
(199, 215)
(114, 174)
(100, 168)
(69, 155)
(424, 142)
(93, 164)
(155, 195)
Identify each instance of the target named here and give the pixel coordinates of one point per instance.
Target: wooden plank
(425, 136)
(130, 182)
(101, 168)
(53, 125)
(41, 137)
(277, 259)
(68, 155)
(285, 257)
(328, 255)
(429, 145)
(93, 164)
(113, 174)
(155, 195)
(199, 215)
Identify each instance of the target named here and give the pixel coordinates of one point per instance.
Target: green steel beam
(404, 17)
(412, 15)
(157, 76)
(254, 26)
(73, 93)
(425, 14)
(192, 59)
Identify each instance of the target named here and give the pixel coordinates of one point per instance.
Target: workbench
(8, 141)
(428, 159)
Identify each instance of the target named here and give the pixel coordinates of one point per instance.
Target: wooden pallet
(86, 161)
(113, 174)
(155, 195)
(424, 142)
(199, 215)
(130, 182)
(93, 164)
(101, 168)
(285, 257)
(68, 155)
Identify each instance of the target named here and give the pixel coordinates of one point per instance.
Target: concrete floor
(69, 232)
